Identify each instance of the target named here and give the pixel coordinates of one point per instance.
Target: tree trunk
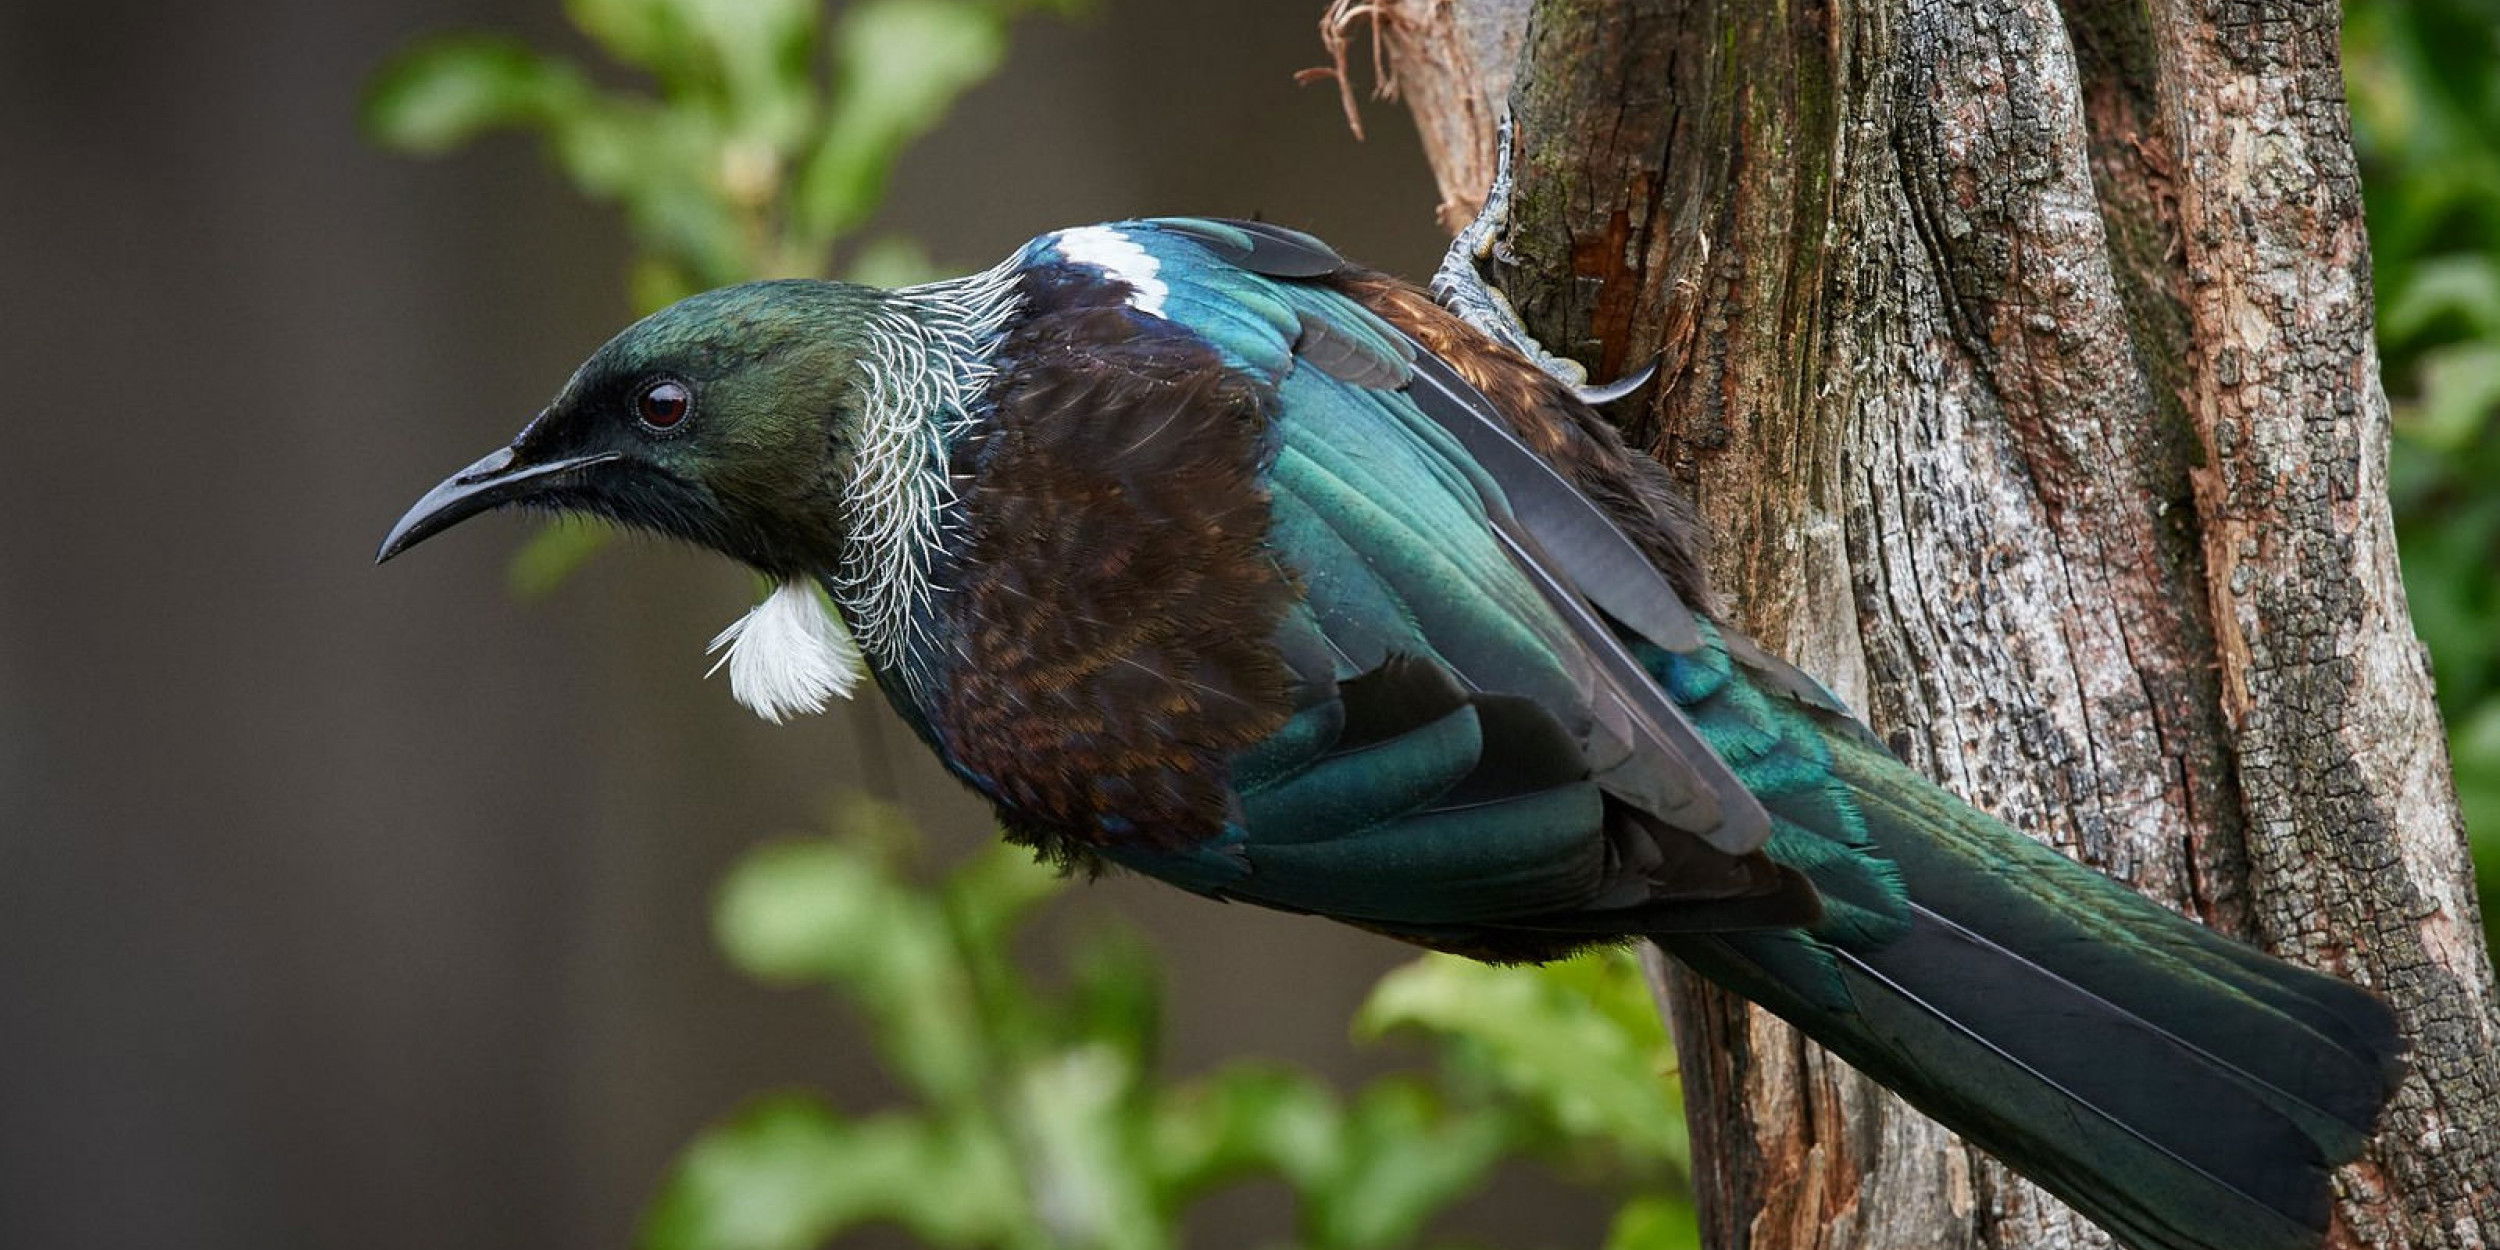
(2019, 355)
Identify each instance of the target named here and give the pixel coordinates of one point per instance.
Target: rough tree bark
(2019, 354)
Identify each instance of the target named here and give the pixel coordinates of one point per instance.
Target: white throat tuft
(789, 654)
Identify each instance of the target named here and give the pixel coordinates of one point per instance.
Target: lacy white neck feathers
(927, 369)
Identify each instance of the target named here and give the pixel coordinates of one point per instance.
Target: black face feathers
(718, 420)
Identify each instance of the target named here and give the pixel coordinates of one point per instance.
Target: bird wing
(1475, 725)
(1473, 737)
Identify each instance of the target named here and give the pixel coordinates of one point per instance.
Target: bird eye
(662, 404)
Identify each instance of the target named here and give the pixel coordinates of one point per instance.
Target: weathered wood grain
(2019, 356)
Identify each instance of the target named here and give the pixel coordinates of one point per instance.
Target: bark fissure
(2285, 399)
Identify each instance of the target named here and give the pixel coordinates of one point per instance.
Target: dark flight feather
(1257, 246)
(1586, 545)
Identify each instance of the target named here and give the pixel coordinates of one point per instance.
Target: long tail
(2181, 1089)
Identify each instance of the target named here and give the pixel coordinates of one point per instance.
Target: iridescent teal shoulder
(1248, 295)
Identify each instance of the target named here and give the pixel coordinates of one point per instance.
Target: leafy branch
(1040, 1118)
(766, 138)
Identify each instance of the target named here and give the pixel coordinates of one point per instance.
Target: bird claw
(1462, 288)
(1621, 388)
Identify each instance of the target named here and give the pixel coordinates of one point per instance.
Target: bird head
(724, 420)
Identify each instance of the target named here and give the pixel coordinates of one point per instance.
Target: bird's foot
(1462, 288)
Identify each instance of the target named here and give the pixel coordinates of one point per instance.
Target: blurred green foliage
(764, 139)
(2426, 114)
(1040, 1118)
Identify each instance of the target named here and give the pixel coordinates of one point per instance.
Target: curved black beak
(497, 480)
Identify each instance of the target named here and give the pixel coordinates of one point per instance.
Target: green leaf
(789, 1173)
(1076, 1112)
(997, 889)
(748, 58)
(1115, 995)
(828, 911)
(984, 900)
(1245, 1117)
(899, 65)
(2460, 392)
(1614, 983)
(784, 1175)
(763, 50)
(1594, 1071)
(637, 32)
(1407, 1157)
(1655, 1222)
(2466, 287)
(755, 1183)
(803, 910)
(672, 170)
(443, 92)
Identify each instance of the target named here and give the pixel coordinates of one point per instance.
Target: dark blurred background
(354, 908)
(344, 907)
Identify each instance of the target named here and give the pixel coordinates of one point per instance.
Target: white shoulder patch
(1118, 255)
(789, 654)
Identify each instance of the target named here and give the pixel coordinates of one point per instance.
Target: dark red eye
(663, 404)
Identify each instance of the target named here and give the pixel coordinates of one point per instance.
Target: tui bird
(1205, 554)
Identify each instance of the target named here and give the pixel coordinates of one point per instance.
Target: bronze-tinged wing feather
(1114, 606)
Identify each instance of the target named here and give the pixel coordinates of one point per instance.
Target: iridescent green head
(725, 419)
